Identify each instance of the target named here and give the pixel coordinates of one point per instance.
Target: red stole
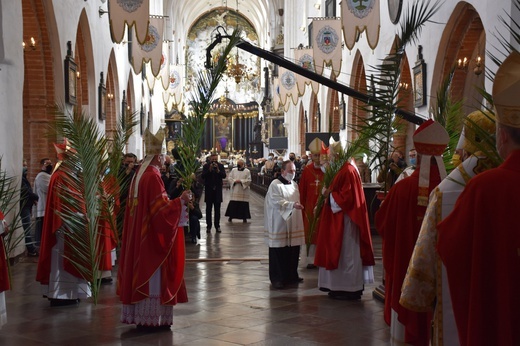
(347, 191)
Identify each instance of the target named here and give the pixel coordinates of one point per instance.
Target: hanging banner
(304, 58)
(176, 85)
(134, 13)
(287, 82)
(150, 79)
(357, 17)
(152, 49)
(164, 73)
(326, 44)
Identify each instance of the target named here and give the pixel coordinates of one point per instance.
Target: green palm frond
(88, 190)
(202, 97)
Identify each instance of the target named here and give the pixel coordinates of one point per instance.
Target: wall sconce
(462, 64)
(32, 43)
(317, 5)
(404, 86)
(110, 96)
(78, 75)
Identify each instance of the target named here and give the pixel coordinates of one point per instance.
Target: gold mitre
(153, 143)
(477, 126)
(506, 89)
(315, 146)
(335, 147)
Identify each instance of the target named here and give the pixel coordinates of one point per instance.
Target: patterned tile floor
(231, 302)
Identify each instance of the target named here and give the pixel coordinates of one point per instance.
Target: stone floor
(231, 302)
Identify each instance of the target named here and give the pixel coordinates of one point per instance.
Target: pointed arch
(463, 37)
(39, 85)
(356, 111)
(313, 113)
(112, 85)
(87, 80)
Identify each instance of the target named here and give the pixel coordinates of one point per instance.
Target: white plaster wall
(11, 91)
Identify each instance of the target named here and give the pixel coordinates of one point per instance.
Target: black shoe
(33, 254)
(244, 221)
(106, 281)
(218, 229)
(230, 220)
(311, 266)
(63, 302)
(193, 240)
(208, 230)
(278, 285)
(342, 295)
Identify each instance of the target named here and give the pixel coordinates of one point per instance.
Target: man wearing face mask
(27, 199)
(41, 187)
(412, 154)
(213, 173)
(277, 169)
(283, 222)
(239, 181)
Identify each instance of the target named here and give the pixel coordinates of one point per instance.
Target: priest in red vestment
(398, 221)
(310, 184)
(151, 267)
(4, 271)
(62, 283)
(479, 242)
(344, 251)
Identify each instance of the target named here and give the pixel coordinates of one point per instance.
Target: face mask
(304, 161)
(279, 163)
(24, 171)
(240, 168)
(292, 158)
(289, 176)
(413, 161)
(48, 169)
(270, 158)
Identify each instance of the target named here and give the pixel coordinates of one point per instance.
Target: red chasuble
(152, 240)
(51, 223)
(4, 273)
(310, 184)
(479, 243)
(398, 221)
(347, 191)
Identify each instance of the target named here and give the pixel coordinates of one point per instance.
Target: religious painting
(71, 70)
(419, 87)
(223, 133)
(277, 128)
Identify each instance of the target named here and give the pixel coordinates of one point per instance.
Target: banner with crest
(164, 73)
(304, 58)
(176, 85)
(326, 44)
(358, 16)
(287, 82)
(150, 79)
(151, 50)
(134, 13)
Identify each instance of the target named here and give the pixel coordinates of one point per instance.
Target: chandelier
(236, 70)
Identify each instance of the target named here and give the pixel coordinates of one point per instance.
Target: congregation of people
(451, 246)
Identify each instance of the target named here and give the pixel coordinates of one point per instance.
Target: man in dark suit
(213, 173)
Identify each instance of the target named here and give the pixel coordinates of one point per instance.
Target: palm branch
(9, 202)
(448, 113)
(86, 194)
(375, 132)
(193, 126)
